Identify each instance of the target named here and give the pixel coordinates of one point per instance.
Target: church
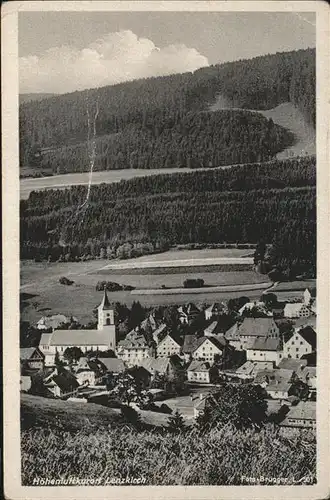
(102, 339)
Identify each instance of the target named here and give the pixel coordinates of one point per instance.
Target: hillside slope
(140, 120)
(289, 117)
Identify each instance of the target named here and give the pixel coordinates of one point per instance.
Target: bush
(65, 281)
(193, 283)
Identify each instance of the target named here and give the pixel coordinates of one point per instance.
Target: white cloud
(115, 58)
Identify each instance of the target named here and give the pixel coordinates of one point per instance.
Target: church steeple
(105, 313)
(105, 304)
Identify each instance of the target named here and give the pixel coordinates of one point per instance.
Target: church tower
(106, 320)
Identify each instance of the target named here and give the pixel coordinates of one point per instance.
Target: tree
(57, 361)
(72, 354)
(242, 405)
(236, 304)
(176, 422)
(128, 390)
(270, 300)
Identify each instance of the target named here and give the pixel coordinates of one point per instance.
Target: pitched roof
(133, 342)
(254, 367)
(212, 327)
(198, 366)
(160, 332)
(307, 373)
(301, 322)
(292, 364)
(256, 327)
(66, 383)
(266, 344)
(177, 340)
(105, 304)
(153, 365)
(113, 365)
(233, 333)
(312, 291)
(189, 344)
(276, 386)
(26, 352)
(308, 334)
(305, 410)
(45, 339)
(79, 337)
(274, 376)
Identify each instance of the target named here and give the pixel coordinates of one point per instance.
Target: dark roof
(105, 304)
(66, 381)
(233, 333)
(198, 366)
(28, 352)
(312, 291)
(256, 327)
(113, 365)
(266, 344)
(292, 364)
(189, 344)
(308, 334)
(305, 410)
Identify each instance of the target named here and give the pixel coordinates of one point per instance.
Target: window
(297, 349)
(297, 356)
(292, 343)
(301, 342)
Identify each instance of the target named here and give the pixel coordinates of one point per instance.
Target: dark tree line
(198, 207)
(202, 139)
(158, 121)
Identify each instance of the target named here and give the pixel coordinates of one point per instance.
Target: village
(173, 361)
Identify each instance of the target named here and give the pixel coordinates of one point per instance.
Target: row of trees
(159, 113)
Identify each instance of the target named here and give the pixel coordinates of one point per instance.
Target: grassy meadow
(42, 294)
(220, 457)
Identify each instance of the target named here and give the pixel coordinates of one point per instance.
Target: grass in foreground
(220, 457)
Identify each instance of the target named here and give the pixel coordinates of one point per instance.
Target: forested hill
(166, 121)
(274, 203)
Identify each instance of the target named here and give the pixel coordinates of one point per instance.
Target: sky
(67, 51)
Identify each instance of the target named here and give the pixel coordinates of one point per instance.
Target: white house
(279, 389)
(265, 349)
(309, 296)
(102, 339)
(243, 336)
(199, 371)
(168, 346)
(162, 366)
(302, 415)
(296, 310)
(300, 342)
(206, 348)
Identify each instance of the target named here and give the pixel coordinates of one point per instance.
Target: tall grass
(220, 457)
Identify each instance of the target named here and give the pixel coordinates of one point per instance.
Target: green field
(43, 294)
